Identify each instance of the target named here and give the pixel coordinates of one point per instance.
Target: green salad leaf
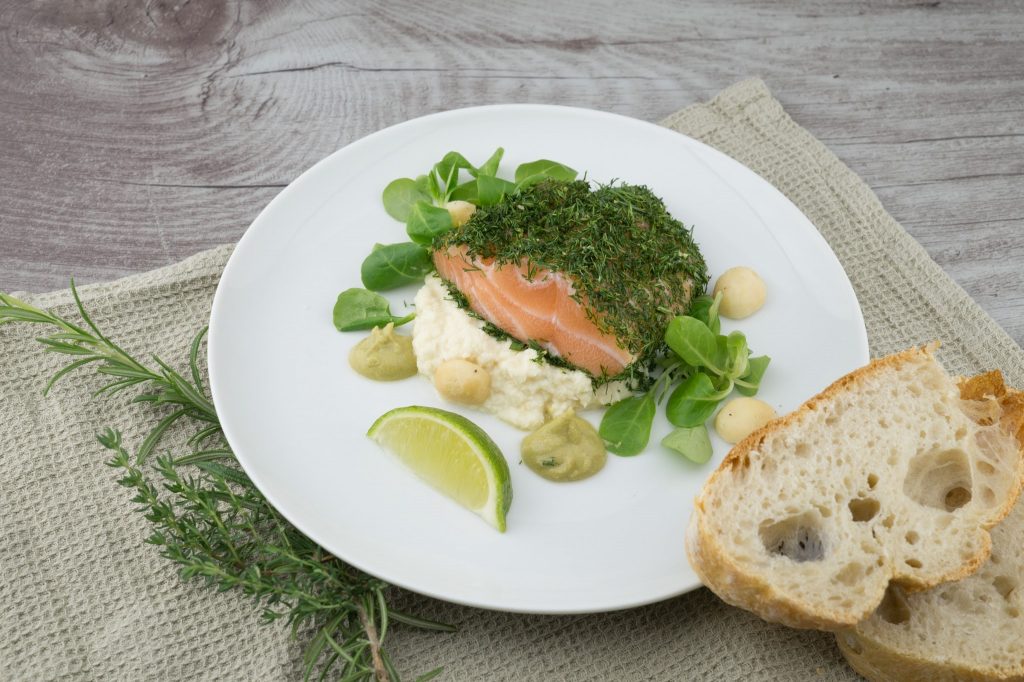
(447, 169)
(705, 309)
(543, 169)
(491, 190)
(692, 341)
(401, 195)
(693, 401)
(736, 355)
(750, 382)
(626, 425)
(692, 443)
(467, 191)
(358, 309)
(393, 265)
(490, 166)
(426, 222)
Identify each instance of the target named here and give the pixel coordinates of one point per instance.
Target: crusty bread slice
(972, 629)
(887, 475)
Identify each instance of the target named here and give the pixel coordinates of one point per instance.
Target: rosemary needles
(207, 517)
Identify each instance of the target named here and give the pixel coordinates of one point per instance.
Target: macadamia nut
(460, 211)
(462, 381)
(743, 293)
(740, 417)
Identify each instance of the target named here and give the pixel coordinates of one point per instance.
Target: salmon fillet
(590, 275)
(534, 305)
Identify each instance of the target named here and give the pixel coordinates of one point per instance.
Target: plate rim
(813, 233)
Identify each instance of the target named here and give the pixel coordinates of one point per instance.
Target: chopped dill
(633, 263)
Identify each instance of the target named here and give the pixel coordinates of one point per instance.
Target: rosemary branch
(207, 517)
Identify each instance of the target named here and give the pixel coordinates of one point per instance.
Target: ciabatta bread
(972, 629)
(887, 475)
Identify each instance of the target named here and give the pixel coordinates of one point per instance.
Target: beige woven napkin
(83, 598)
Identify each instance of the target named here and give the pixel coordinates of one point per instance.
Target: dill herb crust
(632, 264)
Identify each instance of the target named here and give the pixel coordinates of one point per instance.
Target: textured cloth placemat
(82, 597)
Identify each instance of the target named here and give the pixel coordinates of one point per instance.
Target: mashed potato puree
(524, 392)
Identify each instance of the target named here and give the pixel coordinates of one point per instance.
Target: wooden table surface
(135, 134)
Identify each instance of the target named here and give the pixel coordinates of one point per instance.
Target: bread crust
(879, 662)
(749, 591)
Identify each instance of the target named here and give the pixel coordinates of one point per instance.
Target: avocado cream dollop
(565, 449)
(384, 355)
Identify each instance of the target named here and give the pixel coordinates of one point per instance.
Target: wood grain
(135, 134)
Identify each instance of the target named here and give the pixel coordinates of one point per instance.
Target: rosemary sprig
(209, 519)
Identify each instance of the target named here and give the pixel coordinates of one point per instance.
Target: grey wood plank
(134, 135)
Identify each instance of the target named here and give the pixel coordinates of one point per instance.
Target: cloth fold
(84, 598)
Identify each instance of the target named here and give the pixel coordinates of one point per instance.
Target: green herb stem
(207, 517)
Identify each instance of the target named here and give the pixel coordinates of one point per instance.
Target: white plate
(296, 414)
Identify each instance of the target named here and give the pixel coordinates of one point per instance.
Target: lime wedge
(452, 454)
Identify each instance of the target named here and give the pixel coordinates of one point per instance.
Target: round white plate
(295, 414)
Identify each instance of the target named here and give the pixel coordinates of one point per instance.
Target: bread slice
(972, 629)
(887, 475)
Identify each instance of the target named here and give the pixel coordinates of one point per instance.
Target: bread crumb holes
(894, 608)
(864, 509)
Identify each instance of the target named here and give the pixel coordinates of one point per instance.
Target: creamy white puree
(524, 392)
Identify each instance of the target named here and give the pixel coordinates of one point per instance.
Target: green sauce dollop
(565, 449)
(384, 355)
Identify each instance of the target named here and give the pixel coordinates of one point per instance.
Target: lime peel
(452, 454)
